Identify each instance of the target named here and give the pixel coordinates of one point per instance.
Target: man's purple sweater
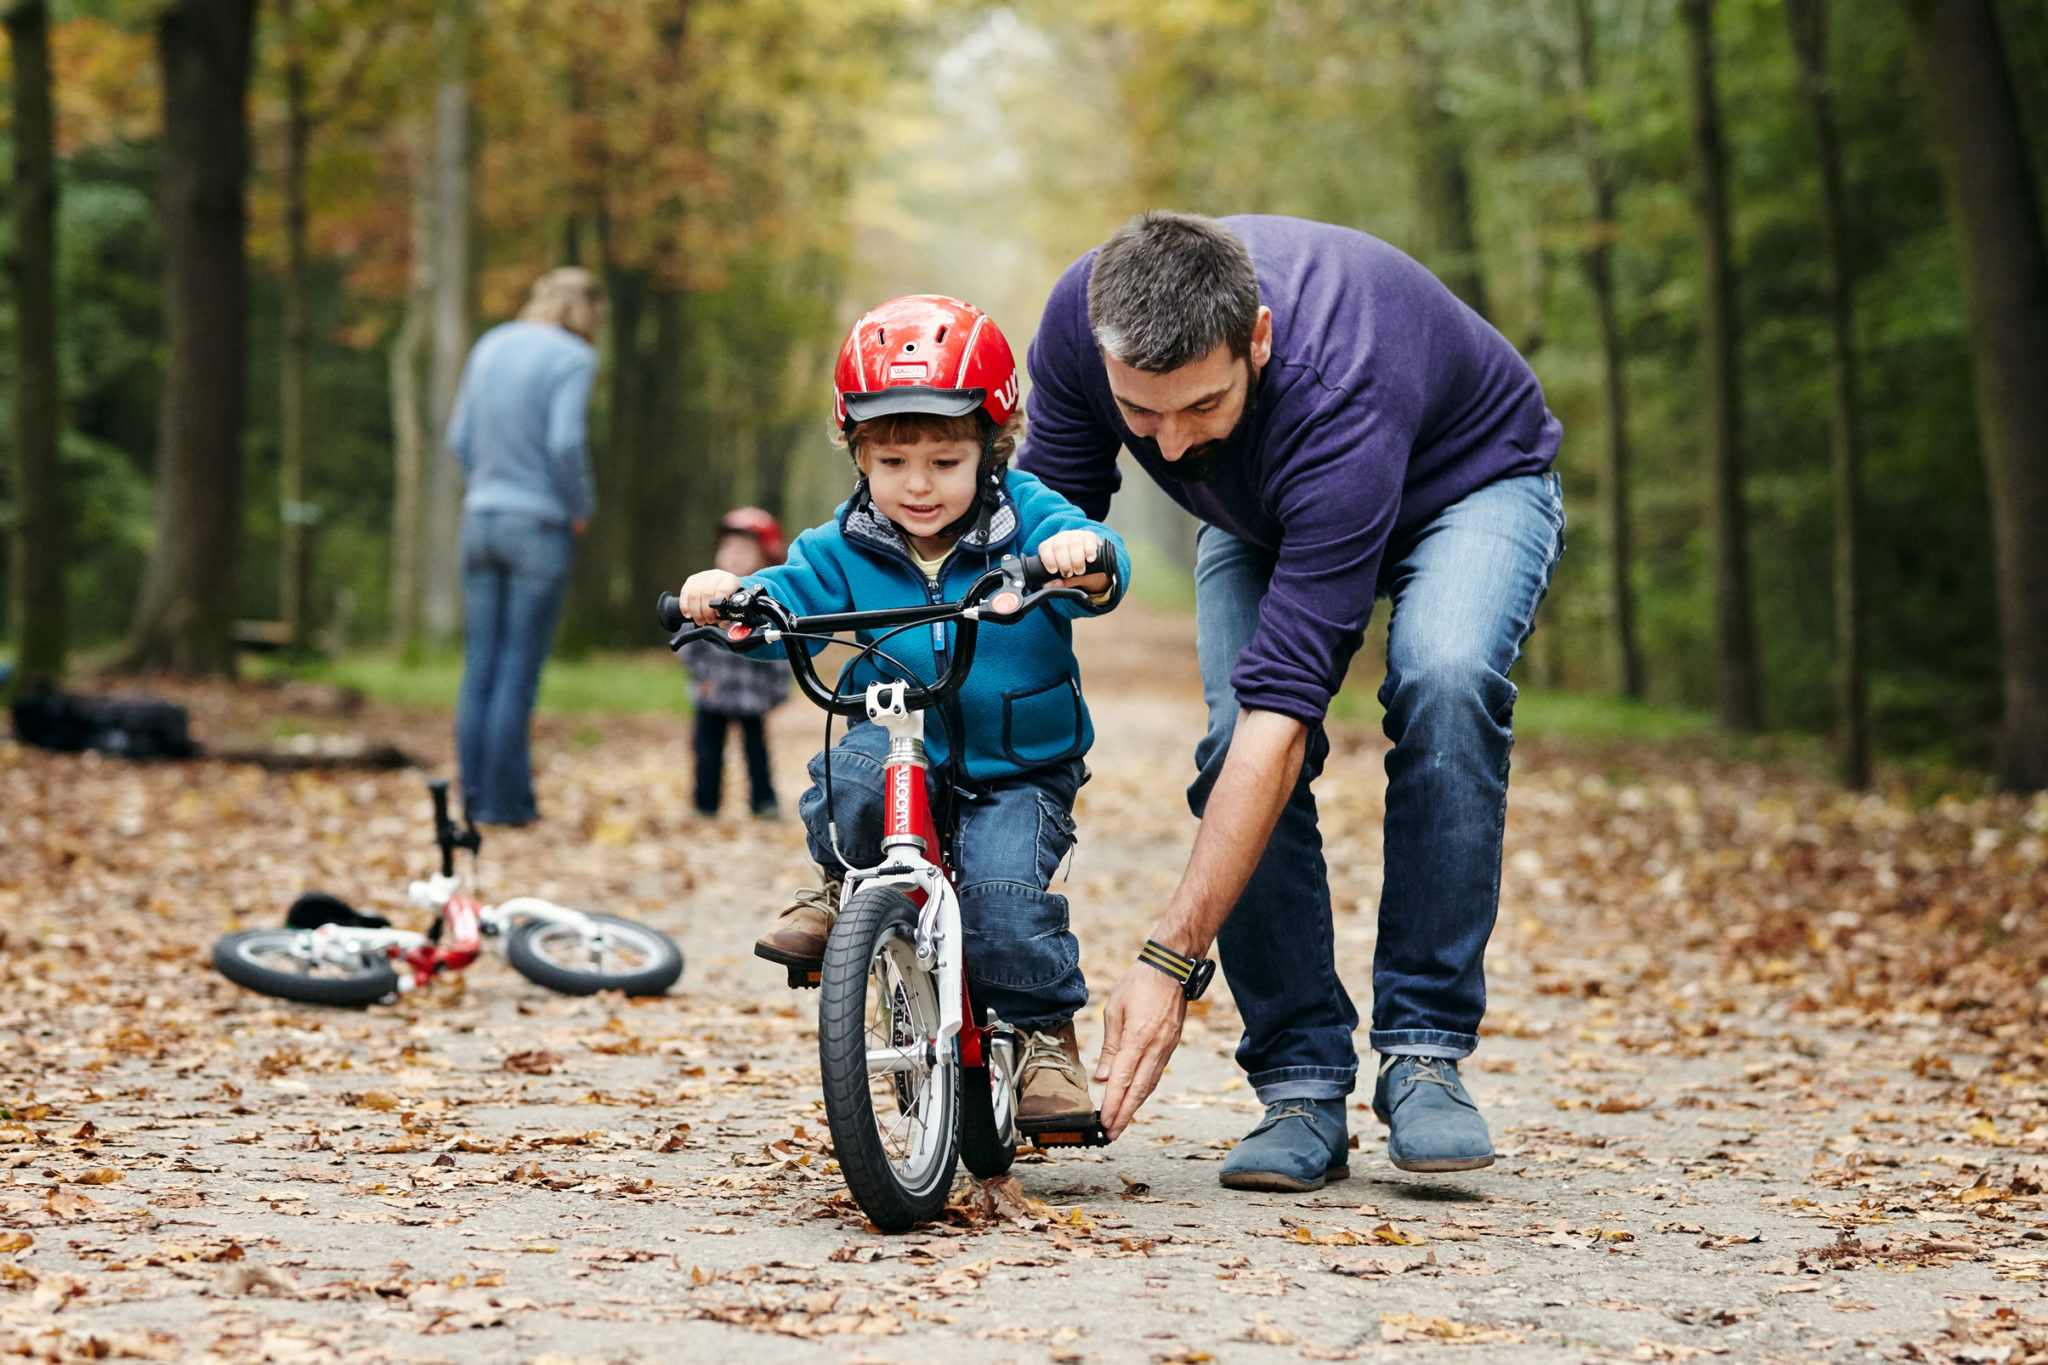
(1386, 400)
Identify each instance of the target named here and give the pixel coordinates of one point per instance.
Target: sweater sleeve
(1337, 507)
(568, 438)
(1045, 514)
(1067, 444)
(809, 582)
(460, 438)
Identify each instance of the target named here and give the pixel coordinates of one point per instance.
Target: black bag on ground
(126, 727)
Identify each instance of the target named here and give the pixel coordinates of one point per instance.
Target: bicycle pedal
(1065, 1132)
(803, 978)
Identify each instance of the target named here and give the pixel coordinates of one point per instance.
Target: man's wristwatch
(1192, 975)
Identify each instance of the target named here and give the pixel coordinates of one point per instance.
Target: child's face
(924, 487)
(740, 555)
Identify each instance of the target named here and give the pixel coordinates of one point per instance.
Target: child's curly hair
(914, 428)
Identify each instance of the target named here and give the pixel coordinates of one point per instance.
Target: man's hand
(1140, 1030)
(699, 589)
(1067, 554)
(579, 524)
(1141, 1026)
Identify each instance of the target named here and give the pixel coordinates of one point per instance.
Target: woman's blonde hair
(569, 297)
(914, 428)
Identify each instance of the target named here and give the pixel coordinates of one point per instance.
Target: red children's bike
(915, 1079)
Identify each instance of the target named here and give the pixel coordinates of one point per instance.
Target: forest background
(1753, 255)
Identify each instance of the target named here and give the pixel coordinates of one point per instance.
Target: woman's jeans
(514, 570)
(1023, 961)
(1465, 587)
(710, 745)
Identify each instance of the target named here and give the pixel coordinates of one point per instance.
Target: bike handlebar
(1003, 595)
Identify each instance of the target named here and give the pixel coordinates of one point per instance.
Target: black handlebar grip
(1102, 561)
(668, 609)
(438, 788)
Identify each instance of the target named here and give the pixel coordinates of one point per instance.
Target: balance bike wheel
(635, 959)
(276, 962)
(891, 1098)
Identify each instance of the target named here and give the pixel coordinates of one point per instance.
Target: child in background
(925, 394)
(727, 689)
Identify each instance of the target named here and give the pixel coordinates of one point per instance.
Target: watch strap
(1155, 954)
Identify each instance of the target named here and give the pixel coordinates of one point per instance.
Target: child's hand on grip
(701, 589)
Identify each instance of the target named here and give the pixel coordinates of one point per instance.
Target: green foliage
(596, 683)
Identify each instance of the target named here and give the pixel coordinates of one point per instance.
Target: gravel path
(490, 1173)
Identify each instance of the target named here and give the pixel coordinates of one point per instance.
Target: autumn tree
(1809, 25)
(1737, 686)
(1993, 204)
(38, 548)
(185, 618)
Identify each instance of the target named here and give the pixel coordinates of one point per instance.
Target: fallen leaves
(1398, 1327)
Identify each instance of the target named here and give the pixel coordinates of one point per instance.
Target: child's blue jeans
(1023, 961)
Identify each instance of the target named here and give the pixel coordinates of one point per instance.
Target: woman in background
(518, 430)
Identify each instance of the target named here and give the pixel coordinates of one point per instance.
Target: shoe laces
(1288, 1109)
(1425, 1073)
(824, 899)
(1046, 1050)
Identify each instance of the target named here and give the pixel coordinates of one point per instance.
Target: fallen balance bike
(915, 1078)
(330, 954)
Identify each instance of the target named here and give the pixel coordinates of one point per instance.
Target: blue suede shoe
(1297, 1146)
(1432, 1124)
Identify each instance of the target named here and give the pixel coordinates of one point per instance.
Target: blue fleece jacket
(1386, 401)
(1021, 706)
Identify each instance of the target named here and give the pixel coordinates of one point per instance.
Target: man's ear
(1262, 338)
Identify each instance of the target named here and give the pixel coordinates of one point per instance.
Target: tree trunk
(1737, 690)
(1598, 263)
(1809, 24)
(1997, 224)
(1443, 186)
(185, 619)
(410, 438)
(450, 318)
(38, 610)
(296, 515)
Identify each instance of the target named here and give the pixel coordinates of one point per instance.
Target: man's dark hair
(1168, 288)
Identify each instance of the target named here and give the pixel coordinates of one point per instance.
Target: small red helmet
(924, 353)
(762, 526)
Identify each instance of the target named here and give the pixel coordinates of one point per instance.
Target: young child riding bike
(926, 397)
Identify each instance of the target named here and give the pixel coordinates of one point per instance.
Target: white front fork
(938, 924)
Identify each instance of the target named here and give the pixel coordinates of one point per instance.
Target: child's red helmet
(924, 353)
(762, 526)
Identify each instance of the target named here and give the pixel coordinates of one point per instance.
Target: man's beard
(1200, 463)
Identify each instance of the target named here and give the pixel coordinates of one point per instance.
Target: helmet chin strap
(989, 496)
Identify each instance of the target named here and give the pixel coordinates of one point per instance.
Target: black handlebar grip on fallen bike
(1102, 561)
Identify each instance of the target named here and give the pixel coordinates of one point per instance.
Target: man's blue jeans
(514, 571)
(1023, 961)
(1465, 587)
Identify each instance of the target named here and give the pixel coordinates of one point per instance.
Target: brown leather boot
(797, 938)
(1055, 1088)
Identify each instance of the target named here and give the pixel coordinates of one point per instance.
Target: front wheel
(288, 964)
(891, 1089)
(562, 955)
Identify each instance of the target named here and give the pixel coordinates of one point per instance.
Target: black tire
(273, 962)
(872, 993)
(983, 1148)
(638, 960)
